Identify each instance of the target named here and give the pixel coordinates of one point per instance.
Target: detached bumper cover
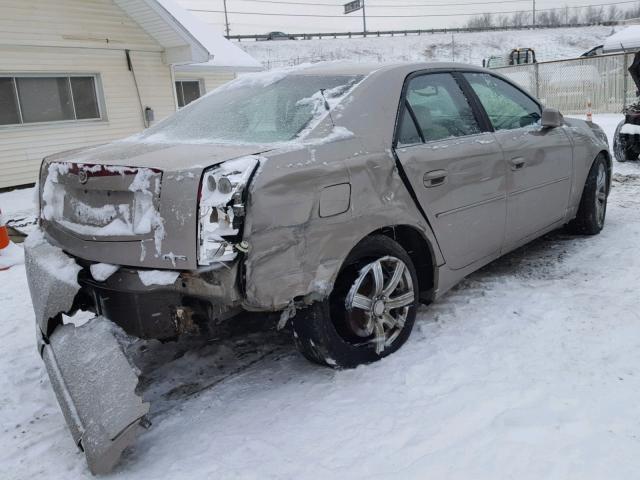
(92, 378)
(95, 386)
(52, 277)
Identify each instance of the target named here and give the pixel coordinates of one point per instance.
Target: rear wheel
(370, 312)
(593, 205)
(625, 147)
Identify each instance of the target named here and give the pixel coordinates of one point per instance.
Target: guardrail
(393, 33)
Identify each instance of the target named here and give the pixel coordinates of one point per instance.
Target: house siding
(71, 23)
(78, 36)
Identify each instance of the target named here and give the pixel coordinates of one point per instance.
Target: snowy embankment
(527, 370)
(549, 44)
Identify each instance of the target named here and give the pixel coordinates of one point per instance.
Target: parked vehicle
(279, 36)
(626, 140)
(594, 52)
(517, 56)
(342, 195)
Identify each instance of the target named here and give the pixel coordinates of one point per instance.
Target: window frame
(97, 83)
(474, 103)
(201, 87)
(472, 93)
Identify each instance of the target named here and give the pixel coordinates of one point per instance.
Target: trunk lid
(129, 203)
(101, 201)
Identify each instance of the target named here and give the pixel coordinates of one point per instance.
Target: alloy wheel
(601, 194)
(379, 301)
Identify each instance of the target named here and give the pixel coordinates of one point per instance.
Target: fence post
(625, 81)
(536, 74)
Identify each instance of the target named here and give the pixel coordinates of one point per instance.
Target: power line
(408, 16)
(370, 5)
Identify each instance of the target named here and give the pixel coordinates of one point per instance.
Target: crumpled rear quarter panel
(296, 253)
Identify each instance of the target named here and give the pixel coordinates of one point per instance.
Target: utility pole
(226, 17)
(534, 13)
(354, 6)
(364, 20)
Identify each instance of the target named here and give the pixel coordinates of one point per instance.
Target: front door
(456, 170)
(539, 160)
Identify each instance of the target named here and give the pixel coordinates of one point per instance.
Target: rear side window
(408, 133)
(440, 107)
(507, 107)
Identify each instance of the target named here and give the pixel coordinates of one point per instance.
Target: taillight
(221, 209)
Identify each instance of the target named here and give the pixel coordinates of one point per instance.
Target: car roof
(356, 68)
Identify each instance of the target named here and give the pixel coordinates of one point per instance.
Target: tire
(624, 147)
(357, 323)
(593, 204)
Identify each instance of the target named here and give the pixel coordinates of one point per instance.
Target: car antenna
(326, 105)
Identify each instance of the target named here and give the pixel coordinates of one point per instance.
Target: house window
(188, 91)
(39, 98)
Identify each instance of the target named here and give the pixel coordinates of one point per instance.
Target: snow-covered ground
(551, 44)
(527, 370)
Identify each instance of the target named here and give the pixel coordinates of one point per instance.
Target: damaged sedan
(339, 195)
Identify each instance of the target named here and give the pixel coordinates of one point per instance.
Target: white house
(82, 72)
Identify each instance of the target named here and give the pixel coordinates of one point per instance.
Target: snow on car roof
(627, 39)
(355, 68)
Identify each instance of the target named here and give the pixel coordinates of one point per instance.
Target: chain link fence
(569, 85)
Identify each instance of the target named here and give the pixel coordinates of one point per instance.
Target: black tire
(330, 334)
(593, 204)
(624, 146)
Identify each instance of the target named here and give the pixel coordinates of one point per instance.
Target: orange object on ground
(589, 112)
(4, 234)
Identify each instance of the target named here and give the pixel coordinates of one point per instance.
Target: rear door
(454, 166)
(540, 160)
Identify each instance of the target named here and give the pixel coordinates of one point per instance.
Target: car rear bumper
(96, 388)
(162, 312)
(91, 376)
(94, 381)
(59, 283)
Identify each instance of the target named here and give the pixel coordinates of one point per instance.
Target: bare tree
(557, 16)
(483, 20)
(613, 13)
(594, 15)
(632, 12)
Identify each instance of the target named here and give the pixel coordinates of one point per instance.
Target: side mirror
(551, 118)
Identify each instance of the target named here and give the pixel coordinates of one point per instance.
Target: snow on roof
(224, 54)
(627, 39)
(185, 38)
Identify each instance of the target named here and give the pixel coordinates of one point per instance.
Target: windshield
(251, 112)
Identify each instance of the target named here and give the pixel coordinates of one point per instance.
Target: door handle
(518, 163)
(435, 178)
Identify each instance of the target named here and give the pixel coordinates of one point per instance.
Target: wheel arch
(420, 250)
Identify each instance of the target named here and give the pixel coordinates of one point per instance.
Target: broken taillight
(221, 208)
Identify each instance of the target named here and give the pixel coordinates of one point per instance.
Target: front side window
(440, 107)
(35, 99)
(507, 107)
(260, 108)
(187, 91)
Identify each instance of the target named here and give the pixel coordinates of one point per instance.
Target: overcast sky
(413, 10)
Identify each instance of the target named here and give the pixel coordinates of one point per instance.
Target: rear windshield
(255, 110)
